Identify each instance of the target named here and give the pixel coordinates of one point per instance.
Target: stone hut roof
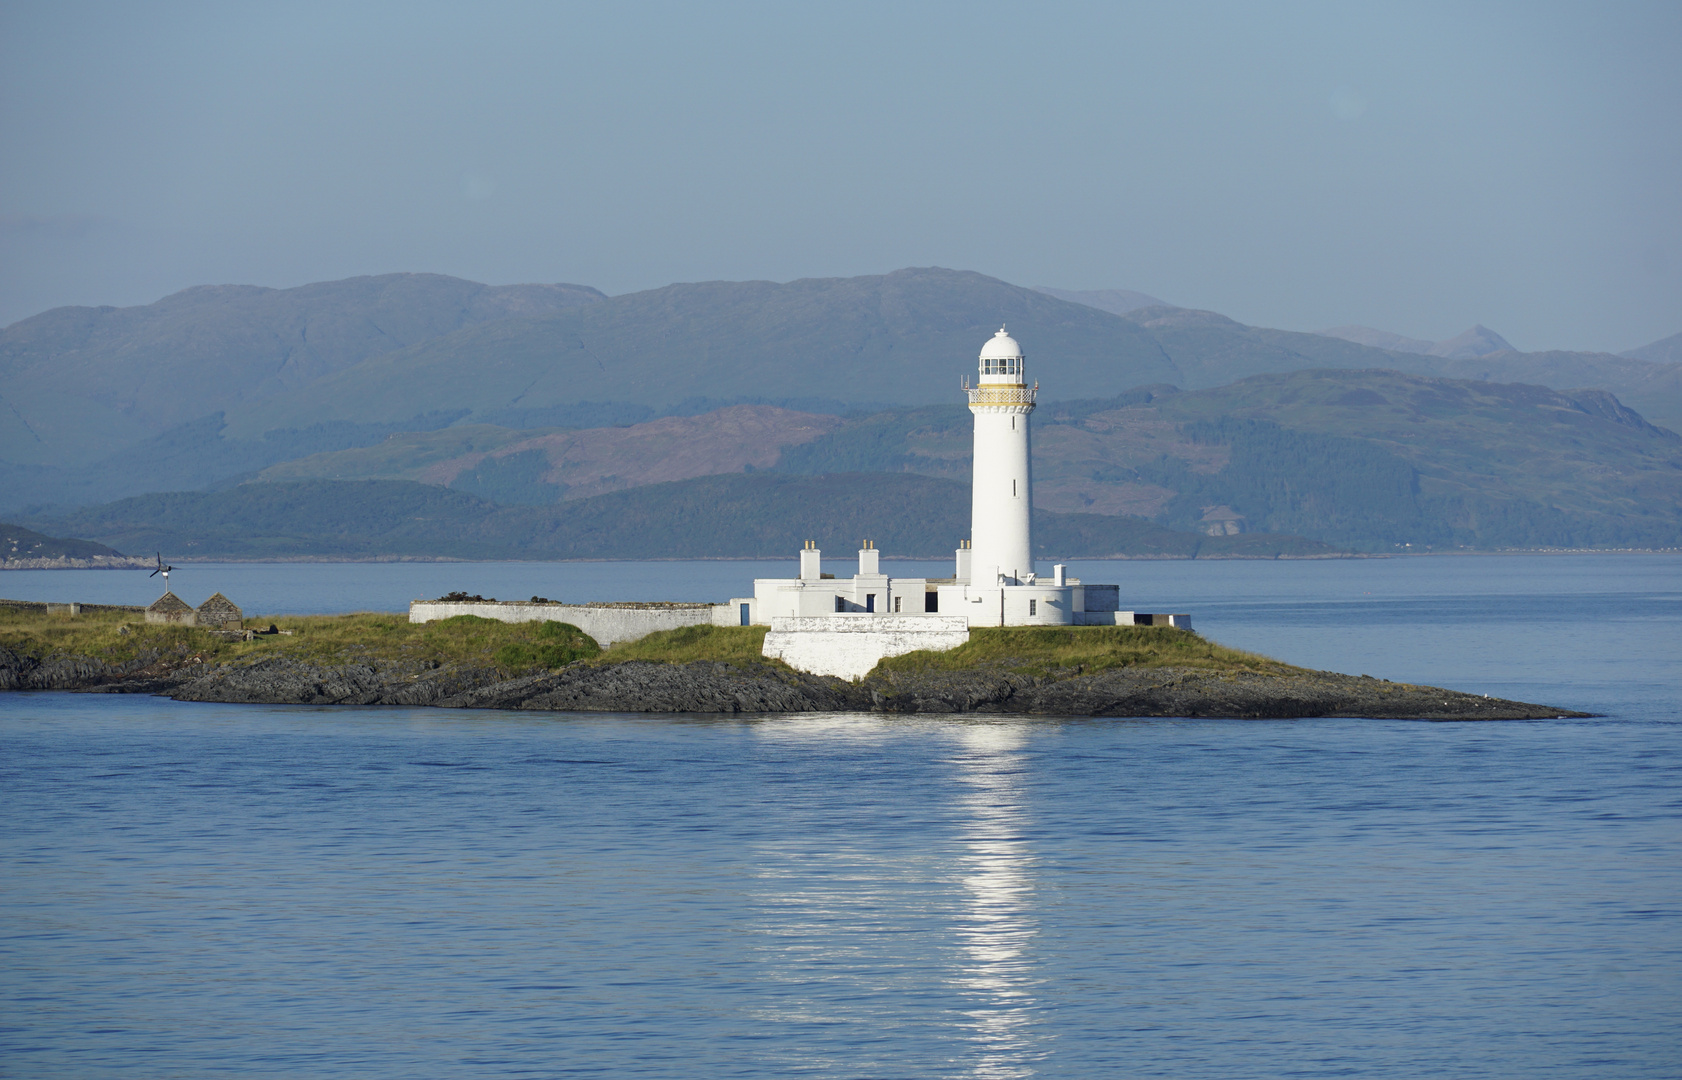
(218, 611)
(169, 604)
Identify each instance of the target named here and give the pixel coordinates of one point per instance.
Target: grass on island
(120, 637)
(1029, 650)
(523, 648)
(1047, 650)
(690, 644)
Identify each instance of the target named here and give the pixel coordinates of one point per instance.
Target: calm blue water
(203, 890)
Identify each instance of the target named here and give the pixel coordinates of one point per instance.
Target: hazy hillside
(1358, 457)
(1211, 350)
(538, 467)
(754, 515)
(907, 336)
(1652, 389)
(189, 456)
(1372, 458)
(78, 381)
(1665, 351)
(216, 385)
(1492, 464)
(1378, 339)
(1478, 341)
(1114, 301)
(17, 542)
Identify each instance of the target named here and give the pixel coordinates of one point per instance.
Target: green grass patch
(516, 648)
(121, 637)
(690, 644)
(1046, 650)
(97, 634)
(554, 645)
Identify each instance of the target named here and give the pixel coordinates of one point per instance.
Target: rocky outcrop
(641, 686)
(58, 671)
(1192, 692)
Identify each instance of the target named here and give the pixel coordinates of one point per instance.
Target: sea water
(204, 890)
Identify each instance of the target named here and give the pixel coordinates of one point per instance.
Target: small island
(473, 662)
(994, 637)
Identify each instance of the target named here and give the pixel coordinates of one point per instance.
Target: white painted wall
(790, 597)
(1132, 618)
(607, 623)
(848, 646)
(1100, 597)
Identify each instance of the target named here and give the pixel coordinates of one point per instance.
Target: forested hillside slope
(364, 357)
(1375, 459)
(533, 394)
(757, 515)
(1378, 460)
(79, 382)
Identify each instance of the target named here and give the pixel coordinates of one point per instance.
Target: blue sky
(1413, 167)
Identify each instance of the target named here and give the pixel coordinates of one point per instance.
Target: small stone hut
(170, 608)
(219, 612)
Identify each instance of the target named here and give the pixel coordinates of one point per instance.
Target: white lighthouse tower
(1001, 504)
(832, 625)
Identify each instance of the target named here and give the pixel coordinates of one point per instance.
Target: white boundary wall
(607, 623)
(1131, 618)
(849, 645)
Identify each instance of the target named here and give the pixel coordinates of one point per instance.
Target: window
(840, 604)
(1033, 607)
(870, 601)
(897, 601)
(931, 601)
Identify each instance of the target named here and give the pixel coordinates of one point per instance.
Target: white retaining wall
(607, 623)
(1130, 618)
(849, 645)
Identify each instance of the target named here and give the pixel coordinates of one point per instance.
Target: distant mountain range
(1477, 342)
(530, 394)
(1373, 460)
(18, 544)
(1665, 351)
(742, 516)
(1114, 301)
(80, 384)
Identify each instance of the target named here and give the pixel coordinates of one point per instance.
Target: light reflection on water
(999, 925)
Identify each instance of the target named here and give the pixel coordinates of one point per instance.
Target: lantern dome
(1001, 346)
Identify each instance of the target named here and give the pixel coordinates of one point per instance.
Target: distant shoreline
(135, 563)
(98, 562)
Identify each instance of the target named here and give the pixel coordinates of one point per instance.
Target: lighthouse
(834, 625)
(1001, 501)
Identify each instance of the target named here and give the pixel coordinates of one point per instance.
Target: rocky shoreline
(711, 687)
